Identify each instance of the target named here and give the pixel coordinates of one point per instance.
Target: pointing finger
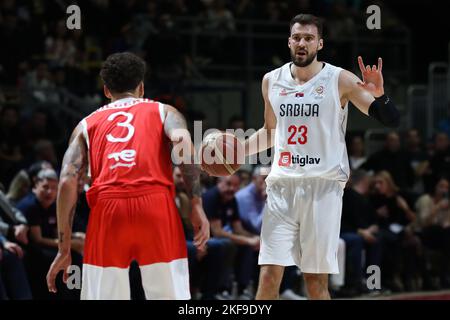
(380, 64)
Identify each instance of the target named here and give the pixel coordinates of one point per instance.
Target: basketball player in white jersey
(306, 106)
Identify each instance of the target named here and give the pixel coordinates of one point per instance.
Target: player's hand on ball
(62, 262)
(372, 77)
(200, 224)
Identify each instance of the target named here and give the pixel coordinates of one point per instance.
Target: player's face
(304, 43)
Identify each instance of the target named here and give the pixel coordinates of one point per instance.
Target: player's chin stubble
(299, 63)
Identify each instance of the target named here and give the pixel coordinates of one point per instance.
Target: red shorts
(144, 226)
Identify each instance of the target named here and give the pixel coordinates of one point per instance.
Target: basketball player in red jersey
(125, 148)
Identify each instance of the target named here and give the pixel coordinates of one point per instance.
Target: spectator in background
(40, 126)
(13, 232)
(44, 150)
(19, 187)
(400, 247)
(39, 207)
(392, 159)
(205, 267)
(39, 86)
(10, 143)
(222, 210)
(440, 161)
(359, 231)
(357, 154)
(13, 278)
(251, 201)
(418, 158)
(434, 223)
(35, 168)
(13, 224)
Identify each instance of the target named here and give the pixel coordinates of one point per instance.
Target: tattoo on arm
(175, 128)
(191, 177)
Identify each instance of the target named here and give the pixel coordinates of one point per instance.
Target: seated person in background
(434, 223)
(251, 201)
(400, 246)
(393, 160)
(205, 266)
(356, 152)
(359, 231)
(39, 207)
(222, 210)
(19, 187)
(13, 277)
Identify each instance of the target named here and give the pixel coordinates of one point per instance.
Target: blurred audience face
(384, 184)
(39, 121)
(259, 180)
(380, 185)
(45, 191)
(442, 188)
(245, 177)
(9, 118)
(178, 179)
(228, 186)
(46, 151)
(357, 146)
(413, 139)
(363, 185)
(441, 142)
(393, 142)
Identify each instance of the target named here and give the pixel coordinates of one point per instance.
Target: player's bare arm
(176, 130)
(264, 138)
(74, 168)
(368, 94)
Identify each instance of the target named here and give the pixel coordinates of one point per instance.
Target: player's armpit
(350, 91)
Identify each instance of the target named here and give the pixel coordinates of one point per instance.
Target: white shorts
(301, 224)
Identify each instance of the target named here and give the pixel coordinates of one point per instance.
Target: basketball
(221, 154)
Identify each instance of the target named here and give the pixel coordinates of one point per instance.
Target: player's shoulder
(276, 73)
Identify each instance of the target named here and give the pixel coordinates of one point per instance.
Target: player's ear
(107, 92)
(320, 44)
(289, 42)
(141, 89)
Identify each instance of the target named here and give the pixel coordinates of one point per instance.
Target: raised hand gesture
(372, 77)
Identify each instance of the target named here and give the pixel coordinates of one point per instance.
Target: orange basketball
(221, 154)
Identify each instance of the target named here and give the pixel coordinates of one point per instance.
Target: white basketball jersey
(311, 125)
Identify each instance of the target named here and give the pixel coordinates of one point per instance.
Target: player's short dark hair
(305, 18)
(122, 72)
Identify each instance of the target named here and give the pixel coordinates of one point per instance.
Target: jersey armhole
(85, 132)
(161, 112)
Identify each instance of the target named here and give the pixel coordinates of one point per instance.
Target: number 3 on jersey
(123, 158)
(127, 124)
(298, 134)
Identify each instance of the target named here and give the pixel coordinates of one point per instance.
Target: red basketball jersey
(128, 149)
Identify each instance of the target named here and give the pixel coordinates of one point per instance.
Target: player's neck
(304, 74)
(124, 96)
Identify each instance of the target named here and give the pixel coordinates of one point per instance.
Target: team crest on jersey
(318, 92)
(283, 93)
(285, 159)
